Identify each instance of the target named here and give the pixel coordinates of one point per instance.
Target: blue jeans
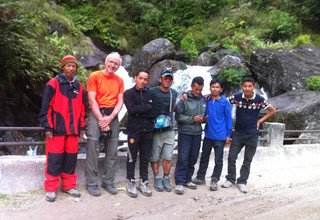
(188, 152)
(239, 140)
(218, 146)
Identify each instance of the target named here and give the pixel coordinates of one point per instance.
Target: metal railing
(41, 143)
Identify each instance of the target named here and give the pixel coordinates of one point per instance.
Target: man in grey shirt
(163, 139)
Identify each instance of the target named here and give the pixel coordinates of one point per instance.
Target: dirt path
(299, 200)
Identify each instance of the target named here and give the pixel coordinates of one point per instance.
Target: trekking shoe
(50, 196)
(242, 188)
(110, 188)
(198, 181)
(144, 188)
(213, 186)
(158, 184)
(227, 184)
(191, 185)
(132, 189)
(179, 189)
(167, 184)
(73, 192)
(93, 190)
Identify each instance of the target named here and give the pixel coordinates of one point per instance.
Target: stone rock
(94, 59)
(220, 54)
(211, 47)
(126, 61)
(285, 70)
(299, 110)
(225, 62)
(181, 56)
(160, 67)
(204, 59)
(151, 53)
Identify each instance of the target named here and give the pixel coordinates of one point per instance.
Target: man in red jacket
(62, 115)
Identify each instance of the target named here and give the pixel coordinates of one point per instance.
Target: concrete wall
(23, 173)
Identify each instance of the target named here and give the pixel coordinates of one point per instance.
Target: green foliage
(313, 83)
(280, 25)
(29, 48)
(188, 44)
(232, 76)
(302, 39)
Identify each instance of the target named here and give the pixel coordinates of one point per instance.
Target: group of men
(149, 130)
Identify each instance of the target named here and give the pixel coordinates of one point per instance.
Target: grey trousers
(93, 151)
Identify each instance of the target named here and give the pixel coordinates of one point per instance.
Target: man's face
(215, 89)
(166, 81)
(112, 64)
(247, 88)
(69, 70)
(196, 89)
(141, 80)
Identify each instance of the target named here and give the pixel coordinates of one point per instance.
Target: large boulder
(285, 70)
(94, 59)
(299, 110)
(226, 62)
(160, 67)
(151, 53)
(204, 59)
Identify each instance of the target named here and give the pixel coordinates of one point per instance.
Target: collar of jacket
(191, 95)
(62, 79)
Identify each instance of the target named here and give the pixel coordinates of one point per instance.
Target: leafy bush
(232, 76)
(302, 39)
(281, 25)
(187, 44)
(313, 83)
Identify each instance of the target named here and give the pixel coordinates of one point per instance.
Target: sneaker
(198, 181)
(144, 188)
(213, 186)
(167, 184)
(242, 188)
(132, 189)
(110, 188)
(93, 190)
(191, 185)
(50, 196)
(227, 184)
(179, 189)
(73, 192)
(158, 184)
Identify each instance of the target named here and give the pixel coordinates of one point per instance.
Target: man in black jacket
(139, 102)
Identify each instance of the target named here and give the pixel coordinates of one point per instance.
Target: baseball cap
(167, 72)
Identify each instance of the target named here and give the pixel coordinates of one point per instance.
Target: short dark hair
(142, 70)
(198, 79)
(216, 81)
(248, 79)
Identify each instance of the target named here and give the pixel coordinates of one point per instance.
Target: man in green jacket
(189, 115)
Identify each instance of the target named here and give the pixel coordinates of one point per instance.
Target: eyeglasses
(168, 79)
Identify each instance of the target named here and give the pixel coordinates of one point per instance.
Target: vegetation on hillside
(238, 25)
(37, 33)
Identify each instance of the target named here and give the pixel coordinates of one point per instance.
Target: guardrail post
(274, 135)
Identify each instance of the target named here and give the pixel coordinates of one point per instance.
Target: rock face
(225, 62)
(151, 53)
(285, 70)
(160, 67)
(299, 110)
(205, 59)
(94, 59)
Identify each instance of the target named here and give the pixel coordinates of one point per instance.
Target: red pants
(61, 161)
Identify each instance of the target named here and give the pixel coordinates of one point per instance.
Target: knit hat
(68, 59)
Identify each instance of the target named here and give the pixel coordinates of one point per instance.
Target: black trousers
(139, 142)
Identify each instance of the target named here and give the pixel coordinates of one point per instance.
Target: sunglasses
(167, 78)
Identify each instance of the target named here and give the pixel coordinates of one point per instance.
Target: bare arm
(271, 111)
